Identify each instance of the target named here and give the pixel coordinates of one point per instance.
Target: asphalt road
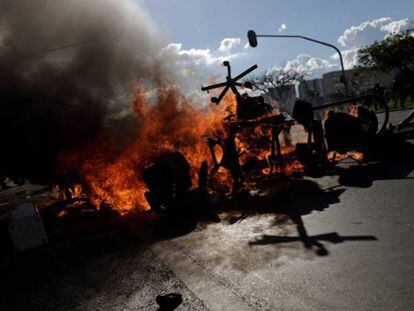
(341, 242)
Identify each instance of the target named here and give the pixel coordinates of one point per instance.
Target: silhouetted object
(403, 130)
(252, 114)
(230, 158)
(168, 180)
(368, 119)
(344, 132)
(302, 109)
(251, 107)
(399, 164)
(169, 302)
(313, 156)
(303, 113)
(304, 154)
(252, 37)
(247, 107)
(202, 178)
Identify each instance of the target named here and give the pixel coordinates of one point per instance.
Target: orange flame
(111, 171)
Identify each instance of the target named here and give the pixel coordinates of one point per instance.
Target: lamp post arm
(319, 42)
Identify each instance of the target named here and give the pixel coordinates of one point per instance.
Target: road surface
(348, 245)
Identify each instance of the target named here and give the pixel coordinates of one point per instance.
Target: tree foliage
(362, 80)
(394, 52)
(277, 79)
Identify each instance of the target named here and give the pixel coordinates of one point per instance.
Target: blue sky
(201, 24)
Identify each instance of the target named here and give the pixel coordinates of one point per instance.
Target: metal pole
(319, 42)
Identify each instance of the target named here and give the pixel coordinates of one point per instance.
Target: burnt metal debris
(344, 132)
(168, 178)
(248, 107)
(251, 113)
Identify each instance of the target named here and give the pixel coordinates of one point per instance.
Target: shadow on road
(299, 198)
(398, 164)
(302, 198)
(113, 263)
(312, 241)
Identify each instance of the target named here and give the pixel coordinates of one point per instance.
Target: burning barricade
(181, 155)
(180, 159)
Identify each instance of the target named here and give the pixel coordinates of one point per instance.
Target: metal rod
(406, 121)
(210, 87)
(244, 73)
(357, 98)
(319, 42)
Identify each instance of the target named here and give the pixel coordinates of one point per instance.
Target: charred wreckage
(255, 140)
(259, 125)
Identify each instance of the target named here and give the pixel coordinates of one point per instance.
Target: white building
(331, 87)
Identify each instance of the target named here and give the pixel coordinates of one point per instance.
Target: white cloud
(313, 66)
(282, 28)
(350, 57)
(371, 31)
(191, 68)
(367, 33)
(351, 40)
(228, 44)
(175, 53)
(398, 26)
(195, 56)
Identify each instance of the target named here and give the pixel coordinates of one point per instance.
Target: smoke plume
(65, 69)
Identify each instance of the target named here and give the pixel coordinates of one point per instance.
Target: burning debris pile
(73, 118)
(66, 97)
(116, 172)
(112, 170)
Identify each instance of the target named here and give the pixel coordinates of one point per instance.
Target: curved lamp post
(251, 35)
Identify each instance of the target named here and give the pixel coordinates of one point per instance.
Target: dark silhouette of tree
(362, 80)
(394, 52)
(393, 55)
(277, 81)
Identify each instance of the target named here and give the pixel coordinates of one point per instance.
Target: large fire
(110, 170)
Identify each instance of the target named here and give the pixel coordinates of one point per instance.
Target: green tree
(394, 52)
(362, 80)
(277, 80)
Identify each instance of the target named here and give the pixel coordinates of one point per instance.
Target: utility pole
(252, 36)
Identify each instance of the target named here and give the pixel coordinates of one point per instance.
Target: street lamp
(252, 36)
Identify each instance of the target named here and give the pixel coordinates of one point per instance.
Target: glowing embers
(73, 201)
(336, 156)
(110, 168)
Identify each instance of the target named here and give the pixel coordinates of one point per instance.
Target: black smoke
(65, 70)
